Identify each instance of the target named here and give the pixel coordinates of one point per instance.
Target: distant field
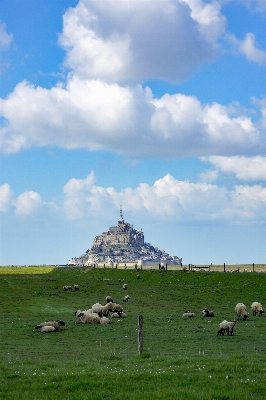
(182, 359)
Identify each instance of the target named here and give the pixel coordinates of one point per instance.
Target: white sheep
(207, 313)
(226, 326)
(76, 287)
(105, 321)
(241, 311)
(116, 308)
(109, 299)
(89, 318)
(256, 308)
(188, 314)
(126, 298)
(125, 286)
(102, 311)
(121, 315)
(56, 325)
(78, 312)
(68, 288)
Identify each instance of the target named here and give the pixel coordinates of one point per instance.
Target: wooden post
(253, 267)
(224, 267)
(140, 334)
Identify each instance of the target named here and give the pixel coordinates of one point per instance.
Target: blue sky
(155, 105)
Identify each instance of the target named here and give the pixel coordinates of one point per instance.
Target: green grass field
(182, 359)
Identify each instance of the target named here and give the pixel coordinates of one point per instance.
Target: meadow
(182, 359)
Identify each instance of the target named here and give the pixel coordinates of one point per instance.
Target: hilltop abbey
(123, 244)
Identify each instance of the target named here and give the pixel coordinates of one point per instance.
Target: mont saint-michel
(123, 244)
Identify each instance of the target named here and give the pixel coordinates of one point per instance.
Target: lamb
(121, 315)
(207, 313)
(55, 326)
(116, 308)
(226, 326)
(89, 318)
(125, 286)
(109, 299)
(126, 298)
(241, 311)
(256, 308)
(188, 314)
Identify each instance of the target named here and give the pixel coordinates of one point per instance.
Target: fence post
(224, 267)
(140, 334)
(253, 267)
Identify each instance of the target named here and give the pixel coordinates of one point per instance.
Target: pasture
(183, 359)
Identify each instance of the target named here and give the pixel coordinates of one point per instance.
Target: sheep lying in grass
(78, 312)
(226, 326)
(50, 326)
(109, 299)
(188, 314)
(102, 311)
(126, 298)
(89, 318)
(207, 313)
(116, 308)
(105, 321)
(121, 315)
(125, 286)
(256, 308)
(241, 311)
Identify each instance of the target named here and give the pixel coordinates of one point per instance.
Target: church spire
(121, 214)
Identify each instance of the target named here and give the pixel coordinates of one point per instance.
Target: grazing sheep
(105, 321)
(241, 311)
(125, 286)
(116, 308)
(188, 314)
(102, 311)
(109, 299)
(89, 318)
(126, 298)
(207, 313)
(56, 325)
(226, 326)
(76, 287)
(68, 288)
(256, 308)
(121, 315)
(138, 276)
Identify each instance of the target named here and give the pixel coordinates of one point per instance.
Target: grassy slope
(183, 359)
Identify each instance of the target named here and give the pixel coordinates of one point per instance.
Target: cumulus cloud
(244, 168)
(167, 198)
(250, 48)
(125, 41)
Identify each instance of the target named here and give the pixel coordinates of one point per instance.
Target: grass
(183, 359)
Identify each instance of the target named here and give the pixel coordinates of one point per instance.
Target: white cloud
(5, 38)
(127, 120)
(244, 168)
(124, 41)
(249, 48)
(209, 176)
(27, 203)
(6, 195)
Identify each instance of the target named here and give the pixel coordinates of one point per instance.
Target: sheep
(126, 298)
(54, 324)
(102, 311)
(241, 311)
(116, 308)
(105, 321)
(121, 315)
(125, 286)
(68, 288)
(188, 314)
(138, 276)
(47, 329)
(256, 308)
(226, 326)
(109, 299)
(89, 318)
(76, 287)
(78, 312)
(207, 313)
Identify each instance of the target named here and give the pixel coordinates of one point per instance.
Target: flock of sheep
(228, 326)
(97, 314)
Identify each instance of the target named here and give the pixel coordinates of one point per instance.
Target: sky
(158, 106)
